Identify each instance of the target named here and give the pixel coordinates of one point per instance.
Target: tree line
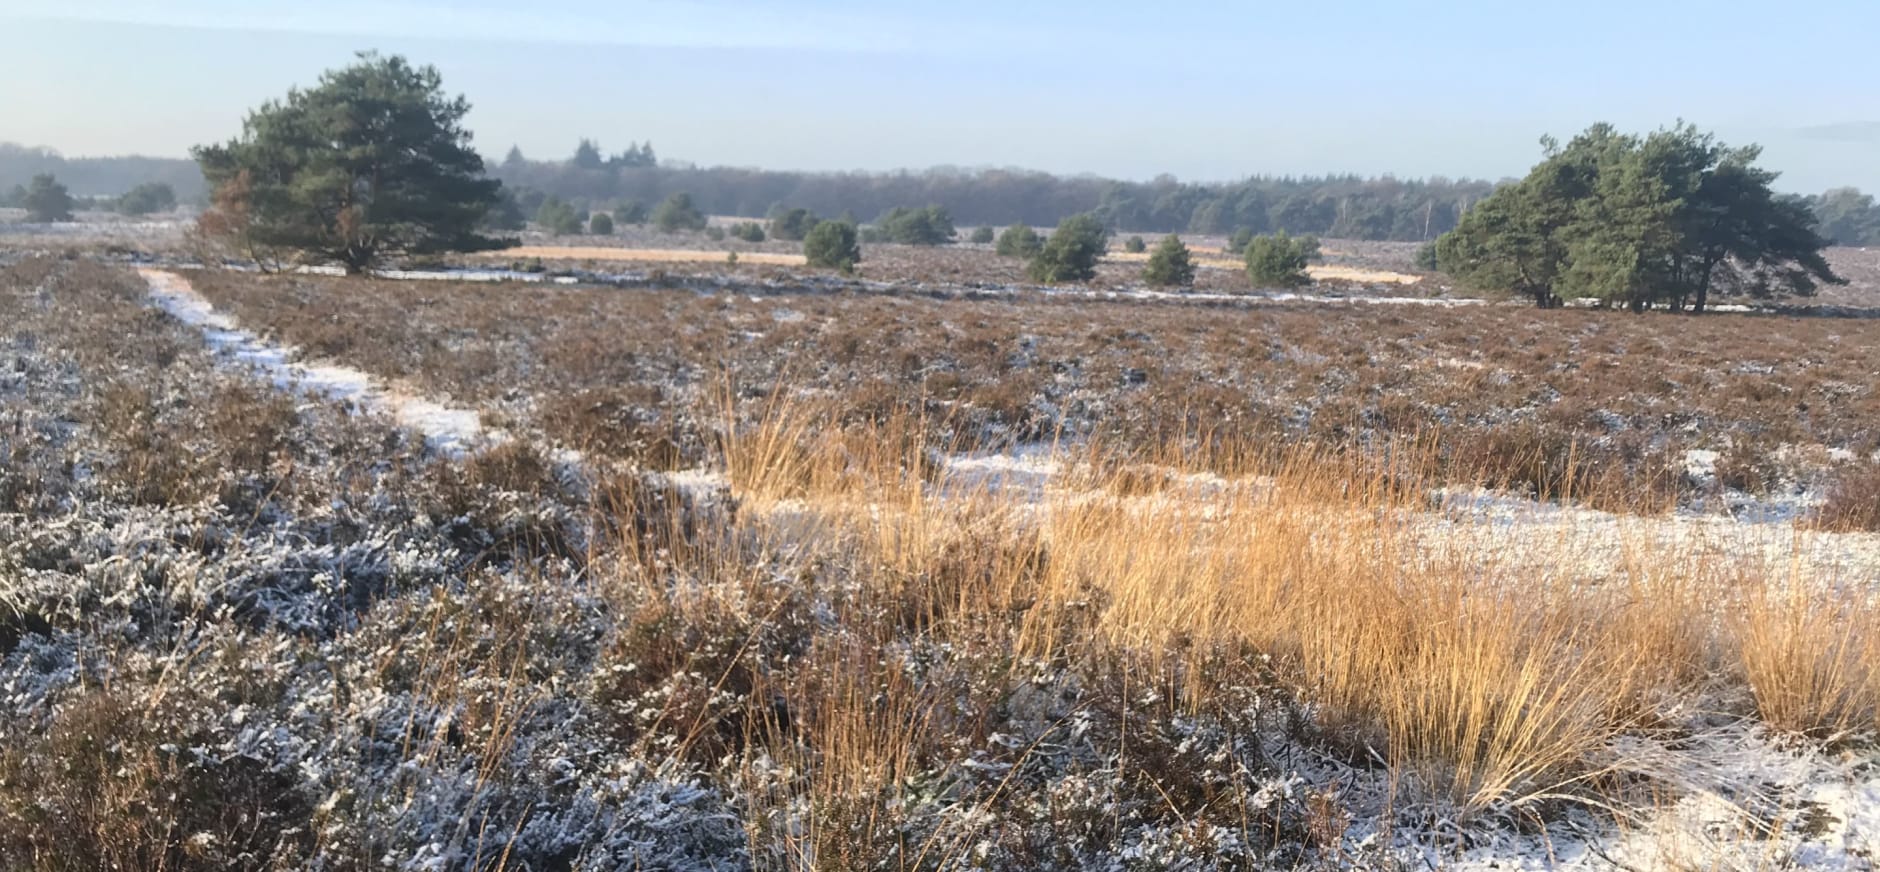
(1344, 206)
(590, 179)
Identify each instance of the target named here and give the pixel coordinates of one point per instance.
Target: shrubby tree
(1665, 219)
(46, 201)
(930, 226)
(1018, 240)
(1848, 217)
(601, 224)
(1135, 245)
(748, 231)
(833, 245)
(677, 213)
(1237, 244)
(1170, 265)
(558, 218)
(147, 198)
(506, 214)
(1279, 261)
(792, 225)
(529, 200)
(373, 161)
(982, 235)
(632, 213)
(1072, 252)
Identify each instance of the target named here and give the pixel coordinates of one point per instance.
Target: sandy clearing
(1335, 273)
(647, 255)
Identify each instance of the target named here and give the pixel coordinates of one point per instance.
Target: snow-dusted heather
(410, 656)
(449, 429)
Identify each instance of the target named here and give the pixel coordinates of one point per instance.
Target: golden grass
(1808, 658)
(1429, 647)
(646, 255)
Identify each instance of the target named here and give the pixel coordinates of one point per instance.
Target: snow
(447, 429)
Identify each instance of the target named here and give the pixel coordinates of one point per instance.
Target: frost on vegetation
(393, 657)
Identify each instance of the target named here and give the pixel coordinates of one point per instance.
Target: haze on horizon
(1209, 92)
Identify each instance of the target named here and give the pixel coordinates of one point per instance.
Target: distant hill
(99, 176)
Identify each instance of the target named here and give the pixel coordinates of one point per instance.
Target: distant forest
(99, 176)
(1346, 207)
(1336, 206)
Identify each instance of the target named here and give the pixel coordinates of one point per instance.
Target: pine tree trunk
(1703, 289)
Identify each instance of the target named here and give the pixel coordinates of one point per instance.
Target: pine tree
(374, 161)
(1170, 265)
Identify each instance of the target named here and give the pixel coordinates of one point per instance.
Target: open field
(872, 618)
(1776, 410)
(681, 255)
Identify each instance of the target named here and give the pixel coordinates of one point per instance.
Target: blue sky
(1205, 90)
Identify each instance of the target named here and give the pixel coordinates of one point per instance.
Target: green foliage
(587, 156)
(792, 225)
(714, 233)
(1135, 245)
(373, 161)
(677, 213)
(1848, 217)
(930, 226)
(631, 213)
(147, 198)
(1425, 257)
(833, 245)
(46, 201)
(1279, 261)
(507, 214)
(1018, 240)
(983, 235)
(601, 224)
(1665, 219)
(637, 156)
(749, 231)
(1237, 244)
(1072, 252)
(1170, 265)
(558, 218)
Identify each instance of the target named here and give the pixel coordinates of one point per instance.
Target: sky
(1207, 91)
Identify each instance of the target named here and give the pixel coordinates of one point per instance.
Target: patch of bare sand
(648, 255)
(1319, 273)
